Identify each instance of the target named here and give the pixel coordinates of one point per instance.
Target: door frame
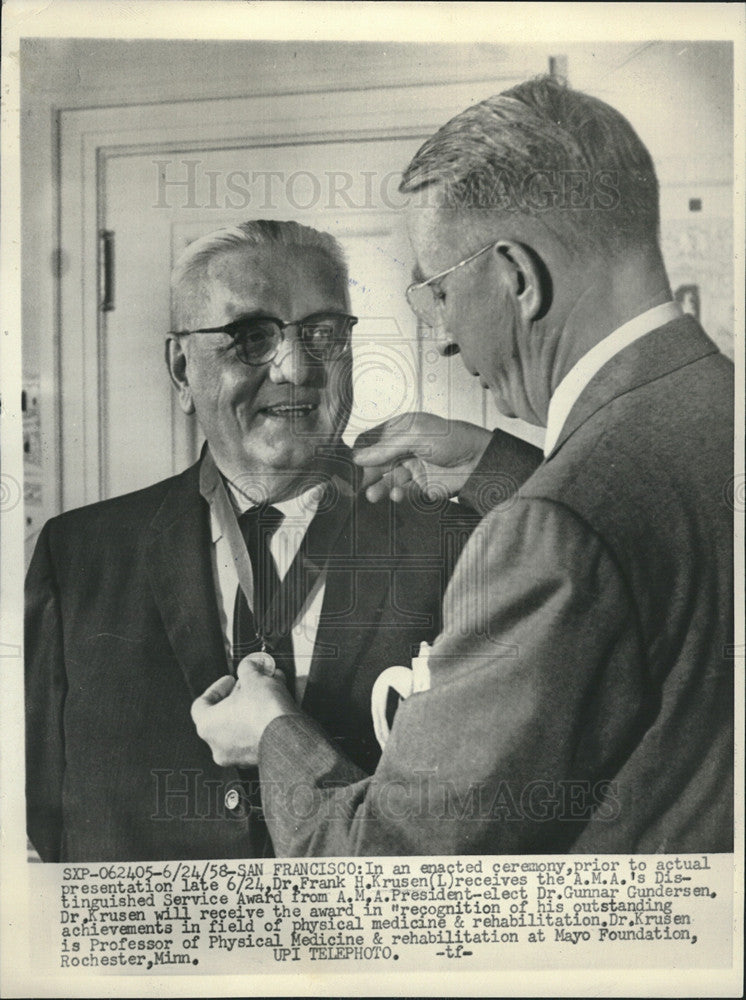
(88, 137)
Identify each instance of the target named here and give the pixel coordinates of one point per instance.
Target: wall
(679, 97)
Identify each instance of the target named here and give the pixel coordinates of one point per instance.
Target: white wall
(679, 97)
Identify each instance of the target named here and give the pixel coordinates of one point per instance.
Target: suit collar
(662, 351)
(581, 374)
(181, 578)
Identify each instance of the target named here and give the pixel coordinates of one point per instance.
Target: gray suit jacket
(582, 687)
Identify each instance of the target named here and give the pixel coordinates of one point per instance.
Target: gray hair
(191, 271)
(542, 149)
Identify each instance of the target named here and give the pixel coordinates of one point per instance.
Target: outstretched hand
(418, 451)
(233, 712)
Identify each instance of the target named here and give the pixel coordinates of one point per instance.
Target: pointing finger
(385, 452)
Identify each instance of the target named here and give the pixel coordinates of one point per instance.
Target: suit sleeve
(539, 690)
(506, 464)
(46, 687)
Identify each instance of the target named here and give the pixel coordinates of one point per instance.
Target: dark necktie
(258, 525)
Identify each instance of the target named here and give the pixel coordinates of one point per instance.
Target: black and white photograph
(372, 498)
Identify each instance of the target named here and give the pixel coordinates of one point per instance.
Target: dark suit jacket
(122, 634)
(582, 689)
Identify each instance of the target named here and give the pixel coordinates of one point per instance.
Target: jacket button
(232, 798)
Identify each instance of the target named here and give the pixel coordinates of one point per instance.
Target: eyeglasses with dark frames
(325, 336)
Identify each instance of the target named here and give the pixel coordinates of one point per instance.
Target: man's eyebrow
(252, 314)
(417, 275)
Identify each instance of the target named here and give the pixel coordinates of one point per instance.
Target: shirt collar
(300, 509)
(568, 391)
(297, 511)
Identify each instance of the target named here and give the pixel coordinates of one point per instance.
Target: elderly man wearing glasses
(580, 695)
(138, 604)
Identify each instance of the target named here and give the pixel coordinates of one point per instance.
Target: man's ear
(176, 364)
(531, 281)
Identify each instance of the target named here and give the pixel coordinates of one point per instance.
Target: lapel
(180, 571)
(339, 541)
(659, 353)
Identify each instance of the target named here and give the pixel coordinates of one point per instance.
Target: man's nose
(292, 363)
(444, 342)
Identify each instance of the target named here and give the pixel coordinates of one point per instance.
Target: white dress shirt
(298, 512)
(568, 391)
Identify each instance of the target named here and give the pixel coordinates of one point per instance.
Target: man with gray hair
(580, 695)
(139, 603)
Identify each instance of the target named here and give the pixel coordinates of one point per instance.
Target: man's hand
(233, 712)
(420, 451)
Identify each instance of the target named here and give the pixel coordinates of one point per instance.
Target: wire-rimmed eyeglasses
(422, 297)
